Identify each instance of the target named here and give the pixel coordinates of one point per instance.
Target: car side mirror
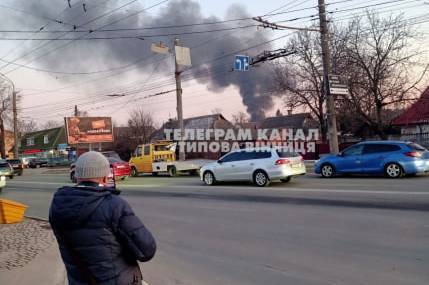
(341, 154)
(220, 161)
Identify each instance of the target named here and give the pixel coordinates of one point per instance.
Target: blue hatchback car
(392, 158)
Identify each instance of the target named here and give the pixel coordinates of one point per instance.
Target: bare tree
(5, 113)
(27, 126)
(240, 118)
(142, 125)
(298, 76)
(376, 56)
(380, 61)
(51, 124)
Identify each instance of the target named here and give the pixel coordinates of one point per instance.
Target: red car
(121, 169)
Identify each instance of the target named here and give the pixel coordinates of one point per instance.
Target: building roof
(418, 113)
(294, 121)
(56, 136)
(212, 121)
(200, 122)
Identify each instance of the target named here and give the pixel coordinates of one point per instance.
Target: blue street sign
(241, 63)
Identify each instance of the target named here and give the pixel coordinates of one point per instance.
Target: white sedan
(260, 166)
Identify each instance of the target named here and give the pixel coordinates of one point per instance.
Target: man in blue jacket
(99, 237)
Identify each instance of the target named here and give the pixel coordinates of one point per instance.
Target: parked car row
(394, 159)
(262, 166)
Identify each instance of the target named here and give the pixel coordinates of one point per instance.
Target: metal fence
(422, 139)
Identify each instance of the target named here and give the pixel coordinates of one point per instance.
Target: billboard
(89, 130)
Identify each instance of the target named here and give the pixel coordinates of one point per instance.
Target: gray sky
(50, 96)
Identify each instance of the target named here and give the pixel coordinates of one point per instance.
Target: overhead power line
(140, 37)
(17, 47)
(188, 77)
(58, 21)
(86, 23)
(272, 55)
(77, 30)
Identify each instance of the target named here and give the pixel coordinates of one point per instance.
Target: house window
(30, 141)
(45, 139)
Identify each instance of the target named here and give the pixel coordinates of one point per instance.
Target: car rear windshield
(282, 153)
(417, 147)
(14, 161)
(4, 165)
(114, 160)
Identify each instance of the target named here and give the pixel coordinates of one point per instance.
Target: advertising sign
(89, 129)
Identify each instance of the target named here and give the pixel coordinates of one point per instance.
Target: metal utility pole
(15, 123)
(330, 102)
(179, 100)
(76, 111)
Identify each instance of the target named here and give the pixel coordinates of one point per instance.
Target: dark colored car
(38, 162)
(6, 169)
(58, 161)
(17, 165)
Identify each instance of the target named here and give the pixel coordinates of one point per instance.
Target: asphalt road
(362, 230)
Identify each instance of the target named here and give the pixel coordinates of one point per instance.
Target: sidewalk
(29, 255)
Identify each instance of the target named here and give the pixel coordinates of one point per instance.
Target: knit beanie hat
(92, 164)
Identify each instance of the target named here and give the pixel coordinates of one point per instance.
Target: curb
(36, 218)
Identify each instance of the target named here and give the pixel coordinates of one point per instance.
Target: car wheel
(260, 178)
(72, 177)
(134, 172)
(327, 171)
(286, 180)
(154, 173)
(172, 171)
(193, 172)
(393, 170)
(124, 178)
(209, 178)
(11, 177)
(19, 174)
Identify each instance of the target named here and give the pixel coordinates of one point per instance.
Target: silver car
(259, 165)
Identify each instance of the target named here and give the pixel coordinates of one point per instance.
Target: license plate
(296, 165)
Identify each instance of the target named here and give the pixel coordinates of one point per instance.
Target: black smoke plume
(253, 85)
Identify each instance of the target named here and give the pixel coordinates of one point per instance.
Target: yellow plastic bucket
(11, 211)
